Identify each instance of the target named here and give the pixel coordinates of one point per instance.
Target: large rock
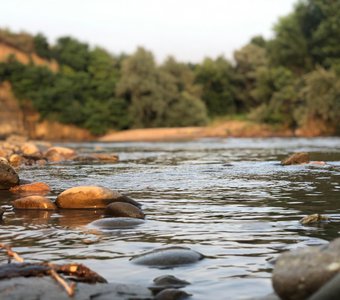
(116, 223)
(45, 288)
(296, 159)
(300, 273)
(87, 197)
(56, 154)
(121, 209)
(34, 202)
(172, 294)
(8, 176)
(166, 257)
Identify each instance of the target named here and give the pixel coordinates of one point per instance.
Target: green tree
(41, 46)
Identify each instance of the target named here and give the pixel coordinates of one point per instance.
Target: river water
(229, 199)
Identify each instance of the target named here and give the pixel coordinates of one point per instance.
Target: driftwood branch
(78, 272)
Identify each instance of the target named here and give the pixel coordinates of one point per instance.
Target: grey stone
(172, 294)
(8, 176)
(166, 282)
(300, 273)
(329, 291)
(116, 223)
(167, 257)
(122, 209)
(45, 288)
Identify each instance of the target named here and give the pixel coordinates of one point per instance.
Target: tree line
(291, 80)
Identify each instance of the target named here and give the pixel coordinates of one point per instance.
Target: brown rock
(122, 209)
(34, 202)
(86, 197)
(296, 159)
(16, 160)
(30, 149)
(106, 157)
(314, 219)
(56, 154)
(8, 176)
(300, 273)
(37, 187)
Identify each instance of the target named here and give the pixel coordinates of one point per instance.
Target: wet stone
(34, 202)
(86, 197)
(37, 187)
(300, 273)
(8, 176)
(57, 154)
(166, 282)
(116, 223)
(296, 159)
(172, 294)
(167, 257)
(121, 209)
(314, 219)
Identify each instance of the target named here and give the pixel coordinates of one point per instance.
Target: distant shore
(232, 128)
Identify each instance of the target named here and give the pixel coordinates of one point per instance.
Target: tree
(42, 47)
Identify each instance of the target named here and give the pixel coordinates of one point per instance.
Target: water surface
(229, 199)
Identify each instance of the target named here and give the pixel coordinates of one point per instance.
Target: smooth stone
(8, 176)
(296, 159)
(300, 273)
(36, 187)
(34, 202)
(122, 209)
(329, 291)
(314, 219)
(166, 282)
(45, 288)
(166, 257)
(16, 160)
(106, 157)
(116, 223)
(172, 294)
(56, 154)
(86, 197)
(84, 158)
(30, 149)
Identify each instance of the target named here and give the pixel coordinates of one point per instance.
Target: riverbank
(231, 128)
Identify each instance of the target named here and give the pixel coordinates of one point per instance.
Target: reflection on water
(228, 199)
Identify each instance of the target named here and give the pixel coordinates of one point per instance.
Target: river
(229, 199)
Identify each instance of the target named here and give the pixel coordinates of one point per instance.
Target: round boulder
(30, 149)
(300, 273)
(122, 209)
(296, 159)
(172, 294)
(37, 187)
(56, 154)
(8, 176)
(86, 197)
(116, 223)
(34, 202)
(167, 257)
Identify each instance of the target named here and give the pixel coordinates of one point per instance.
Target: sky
(190, 30)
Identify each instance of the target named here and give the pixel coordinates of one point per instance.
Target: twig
(70, 289)
(11, 253)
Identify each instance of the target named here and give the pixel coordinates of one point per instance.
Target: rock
(314, 219)
(166, 282)
(166, 257)
(37, 188)
(56, 154)
(121, 209)
(84, 158)
(16, 160)
(172, 294)
(106, 157)
(1, 213)
(30, 149)
(34, 202)
(86, 197)
(329, 291)
(116, 223)
(296, 159)
(45, 288)
(300, 273)
(8, 176)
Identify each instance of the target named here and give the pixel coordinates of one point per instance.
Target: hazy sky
(188, 29)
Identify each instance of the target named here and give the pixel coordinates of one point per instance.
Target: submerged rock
(314, 219)
(87, 197)
(116, 223)
(8, 176)
(300, 273)
(45, 288)
(296, 159)
(172, 294)
(121, 209)
(36, 187)
(166, 282)
(166, 257)
(34, 202)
